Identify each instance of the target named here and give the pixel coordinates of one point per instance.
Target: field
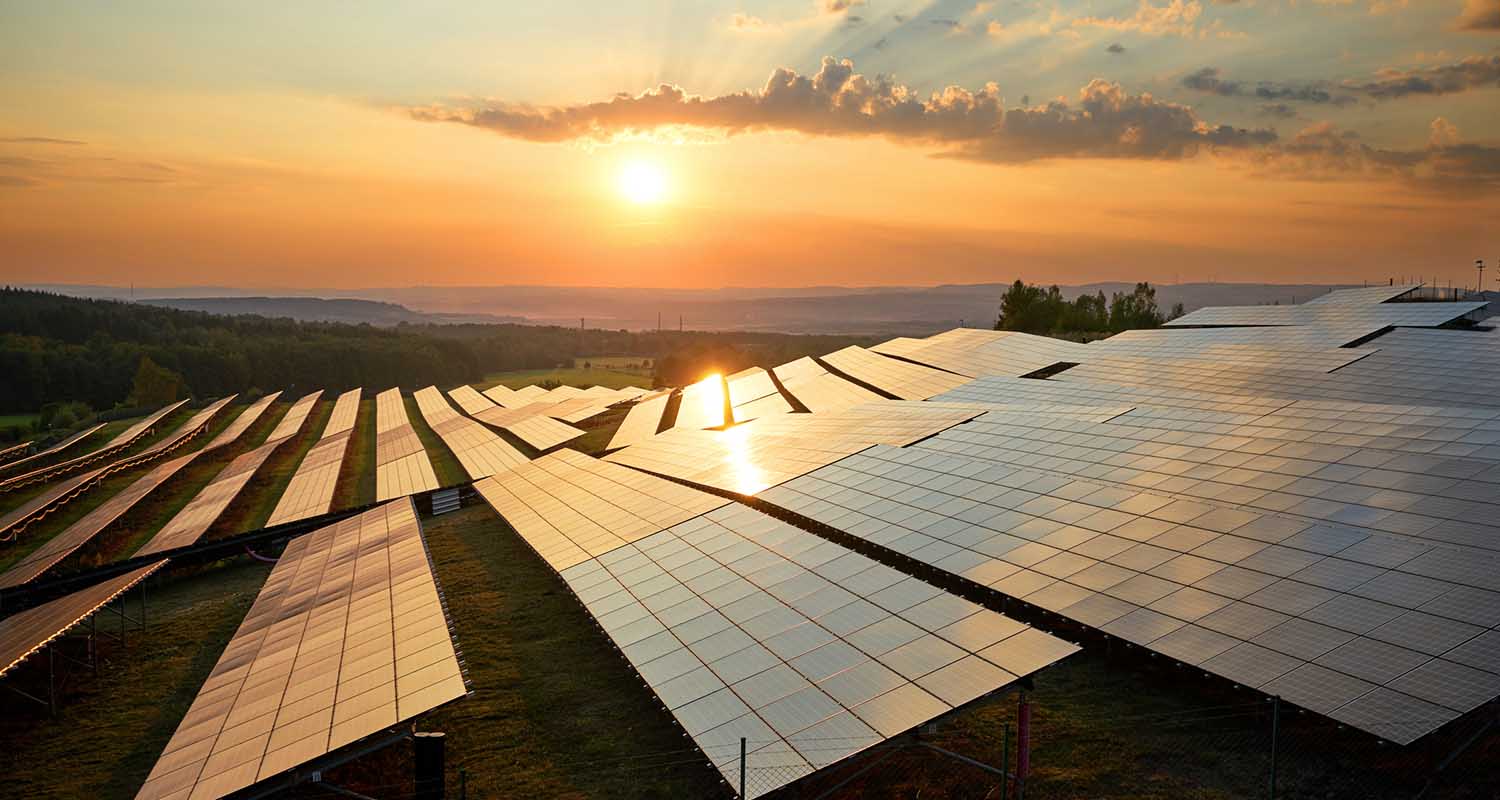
(1107, 722)
(617, 363)
(8, 420)
(576, 376)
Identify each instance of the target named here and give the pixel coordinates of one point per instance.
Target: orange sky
(170, 180)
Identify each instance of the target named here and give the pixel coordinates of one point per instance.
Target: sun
(642, 182)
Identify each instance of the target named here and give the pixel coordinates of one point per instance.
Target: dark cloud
(1278, 110)
(1115, 48)
(1104, 122)
(17, 181)
(1207, 80)
(839, 6)
(1323, 151)
(1480, 15)
(39, 140)
(950, 24)
(1473, 72)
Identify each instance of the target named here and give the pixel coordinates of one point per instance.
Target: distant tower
(1479, 264)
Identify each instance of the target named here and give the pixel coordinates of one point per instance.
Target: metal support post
(429, 758)
(742, 767)
(1275, 726)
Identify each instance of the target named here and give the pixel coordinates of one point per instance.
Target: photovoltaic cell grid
(703, 405)
(1354, 625)
(641, 421)
(1365, 294)
(973, 352)
(14, 466)
(573, 507)
(900, 379)
(81, 532)
(1429, 497)
(747, 627)
(1420, 315)
(819, 390)
(401, 464)
(347, 638)
(123, 439)
(750, 457)
(480, 452)
(69, 488)
(470, 400)
(543, 432)
(345, 410)
(514, 398)
(25, 633)
(310, 491)
(188, 525)
(1253, 347)
(753, 394)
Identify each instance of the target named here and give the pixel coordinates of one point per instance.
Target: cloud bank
(1102, 121)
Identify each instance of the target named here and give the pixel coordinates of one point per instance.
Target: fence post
(742, 767)
(1023, 745)
(1005, 763)
(1275, 725)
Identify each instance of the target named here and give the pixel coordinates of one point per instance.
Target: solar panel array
(753, 394)
(401, 464)
(70, 488)
(745, 627)
(347, 638)
(83, 531)
(310, 491)
(542, 432)
(1421, 315)
(767, 451)
(188, 525)
(973, 352)
(1365, 294)
(819, 390)
(481, 452)
(1385, 636)
(23, 634)
(121, 440)
(641, 421)
(899, 379)
(514, 398)
(62, 446)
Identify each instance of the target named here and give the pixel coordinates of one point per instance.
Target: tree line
(1028, 308)
(103, 353)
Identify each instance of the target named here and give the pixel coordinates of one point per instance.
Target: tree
(1135, 310)
(156, 385)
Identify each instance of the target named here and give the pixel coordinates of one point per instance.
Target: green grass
(356, 485)
(444, 464)
(582, 378)
(631, 364)
(110, 730)
(7, 420)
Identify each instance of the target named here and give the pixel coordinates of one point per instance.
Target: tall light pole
(1479, 265)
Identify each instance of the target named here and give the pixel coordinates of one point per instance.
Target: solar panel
(480, 452)
(974, 352)
(742, 625)
(1206, 583)
(89, 525)
(767, 451)
(515, 398)
(78, 484)
(121, 440)
(753, 394)
(402, 467)
(543, 432)
(641, 421)
(1365, 294)
(470, 400)
(703, 405)
(310, 491)
(819, 390)
(24, 634)
(900, 379)
(347, 638)
(345, 411)
(64, 445)
(1424, 315)
(189, 524)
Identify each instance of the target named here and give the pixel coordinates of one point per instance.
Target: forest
(104, 354)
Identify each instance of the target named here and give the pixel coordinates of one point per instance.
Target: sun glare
(643, 183)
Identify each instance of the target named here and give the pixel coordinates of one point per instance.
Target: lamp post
(1479, 265)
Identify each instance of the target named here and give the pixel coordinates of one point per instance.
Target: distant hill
(877, 311)
(318, 309)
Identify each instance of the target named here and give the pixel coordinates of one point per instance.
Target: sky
(748, 143)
